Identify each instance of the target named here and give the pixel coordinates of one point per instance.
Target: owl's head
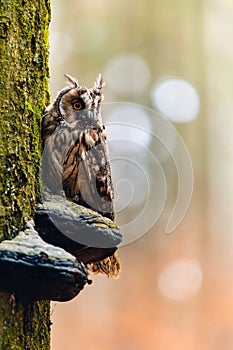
(78, 104)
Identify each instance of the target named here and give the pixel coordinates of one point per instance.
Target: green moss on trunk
(24, 327)
(23, 96)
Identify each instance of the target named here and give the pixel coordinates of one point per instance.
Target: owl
(76, 155)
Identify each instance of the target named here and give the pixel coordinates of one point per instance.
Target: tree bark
(24, 94)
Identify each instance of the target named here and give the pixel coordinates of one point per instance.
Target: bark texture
(23, 96)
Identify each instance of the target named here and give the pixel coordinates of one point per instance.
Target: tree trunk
(24, 94)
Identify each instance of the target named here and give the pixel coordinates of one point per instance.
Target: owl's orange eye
(77, 105)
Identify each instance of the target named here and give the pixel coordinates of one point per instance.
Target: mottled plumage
(76, 154)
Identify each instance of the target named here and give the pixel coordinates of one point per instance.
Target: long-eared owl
(77, 160)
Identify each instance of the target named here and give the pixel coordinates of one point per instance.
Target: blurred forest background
(175, 291)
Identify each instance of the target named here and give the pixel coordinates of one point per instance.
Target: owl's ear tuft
(99, 83)
(71, 82)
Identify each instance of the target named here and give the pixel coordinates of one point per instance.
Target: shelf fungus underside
(89, 236)
(35, 270)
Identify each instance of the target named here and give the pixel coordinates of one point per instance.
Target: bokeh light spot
(127, 75)
(181, 279)
(176, 99)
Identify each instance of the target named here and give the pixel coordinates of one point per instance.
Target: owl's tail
(110, 266)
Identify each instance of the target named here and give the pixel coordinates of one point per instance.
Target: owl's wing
(86, 175)
(96, 175)
(57, 148)
(52, 164)
(71, 164)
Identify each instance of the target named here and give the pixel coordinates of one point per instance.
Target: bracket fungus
(35, 270)
(86, 234)
(47, 260)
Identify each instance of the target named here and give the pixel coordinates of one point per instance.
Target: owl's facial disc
(81, 106)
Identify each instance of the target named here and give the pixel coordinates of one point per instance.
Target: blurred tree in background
(175, 290)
